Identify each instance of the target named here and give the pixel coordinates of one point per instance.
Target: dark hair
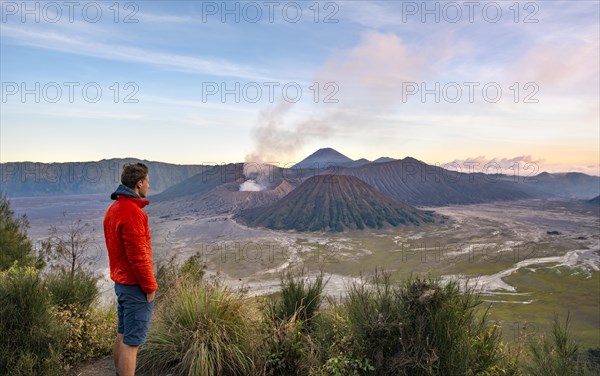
(132, 173)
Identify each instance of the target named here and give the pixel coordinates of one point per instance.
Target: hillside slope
(334, 203)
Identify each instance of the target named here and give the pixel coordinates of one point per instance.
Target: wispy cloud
(372, 74)
(72, 45)
(81, 114)
(162, 18)
(371, 14)
(524, 165)
(497, 164)
(198, 105)
(563, 65)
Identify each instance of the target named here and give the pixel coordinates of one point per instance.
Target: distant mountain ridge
(411, 181)
(408, 180)
(334, 203)
(384, 160)
(570, 184)
(41, 179)
(417, 183)
(209, 178)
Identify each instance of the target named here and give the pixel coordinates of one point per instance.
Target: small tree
(14, 242)
(558, 353)
(66, 247)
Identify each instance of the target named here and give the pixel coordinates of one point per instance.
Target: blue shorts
(134, 313)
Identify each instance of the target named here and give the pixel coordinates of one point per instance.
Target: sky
(508, 84)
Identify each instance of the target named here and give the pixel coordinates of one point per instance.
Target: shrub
(31, 340)
(288, 350)
(374, 318)
(343, 365)
(14, 242)
(193, 267)
(289, 315)
(558, 354)
(444, 331)
(200, 329)
(300, 298)
(169, 273)
(334, 338)
(422, 327)
(592, 357)
(78, 289)
(89, 333)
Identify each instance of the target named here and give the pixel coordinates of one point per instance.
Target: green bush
(422, 327)
(343, 365)
(288, 350)
(193, 267)
(31, 340)
(300, 298)
(559, 354)
(331, 332)
(445, 330)
(14, 242)
(169, 273)
(592, 358)
(78, 289)
(89, 333)
(374, 319)
(200, 329)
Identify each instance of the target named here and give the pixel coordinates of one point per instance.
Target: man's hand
(150, 297)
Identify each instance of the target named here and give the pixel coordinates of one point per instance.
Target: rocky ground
(97, 367)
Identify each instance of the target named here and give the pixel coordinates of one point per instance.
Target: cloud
(87, 114)
(494, 165)
(80, 46)
(572, 64)
(370, 78)
(162, 18)
(373, 71)
(370, 14)
(524, 165)
(373, 75)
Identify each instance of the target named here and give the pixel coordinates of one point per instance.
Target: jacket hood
(124, 190)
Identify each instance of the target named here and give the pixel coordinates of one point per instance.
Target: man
(127, 236)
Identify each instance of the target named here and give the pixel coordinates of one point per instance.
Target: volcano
(334, 203)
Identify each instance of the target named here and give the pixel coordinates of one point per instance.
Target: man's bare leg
(117, 350)
(127, 360)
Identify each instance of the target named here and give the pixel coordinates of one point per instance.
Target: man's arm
(138, 251)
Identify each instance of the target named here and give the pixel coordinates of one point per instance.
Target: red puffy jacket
(127, 236)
